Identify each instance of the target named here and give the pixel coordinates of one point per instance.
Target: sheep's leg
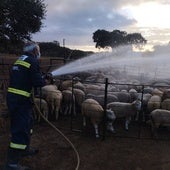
(96, 130)
(56, 114)
(66, 110)
(72, 109)
(143, 116)
(110, 127)
(46, 114)
(137, 116)
(154, 130)
(127, 121)
(84, 121)
(38, 117)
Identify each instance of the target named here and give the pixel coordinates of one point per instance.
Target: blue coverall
(25, 75)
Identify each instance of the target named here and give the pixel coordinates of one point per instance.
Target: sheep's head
(110, 115)
(110, 119)
(137, 104)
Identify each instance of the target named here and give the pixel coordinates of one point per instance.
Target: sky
(73, 22)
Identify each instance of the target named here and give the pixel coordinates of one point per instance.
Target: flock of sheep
(66, 97)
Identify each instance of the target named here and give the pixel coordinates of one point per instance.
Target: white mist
(154, 64)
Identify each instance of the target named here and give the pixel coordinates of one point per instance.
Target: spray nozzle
(49, 77)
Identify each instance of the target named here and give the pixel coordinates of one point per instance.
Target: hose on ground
(56, 129)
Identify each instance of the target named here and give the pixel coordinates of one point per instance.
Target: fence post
(141, 114)
(72, 104)
(105, 107)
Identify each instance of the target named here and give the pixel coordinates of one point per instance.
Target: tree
(105, 39)
(20, 19)
(102, 38)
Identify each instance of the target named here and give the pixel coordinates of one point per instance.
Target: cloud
(77, 20)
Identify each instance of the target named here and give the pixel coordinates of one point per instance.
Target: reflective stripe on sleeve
(23, 63)
(17, 146)
(20, 92)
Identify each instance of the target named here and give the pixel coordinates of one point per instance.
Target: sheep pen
(124, 152)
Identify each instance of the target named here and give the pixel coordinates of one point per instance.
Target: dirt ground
(117, 153)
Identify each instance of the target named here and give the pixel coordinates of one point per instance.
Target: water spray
(153, 64)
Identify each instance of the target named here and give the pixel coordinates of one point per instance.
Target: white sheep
(69, 83)
(43, 107)
(165, 104)
(92, 109)
(157, 92)
(79, 98)
(166, 94)
(101, 98)
(154, 103)
(80, 86)
(159, 117)
(45, 90)
(94, 89)
(133, 95)
(68, 102)
(123, 96)
(126, 110)
(145, 98)
(54, 99)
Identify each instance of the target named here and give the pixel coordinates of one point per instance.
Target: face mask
(38, 55)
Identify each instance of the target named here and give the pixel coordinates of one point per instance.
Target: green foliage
(105, 39)
(20, 19)
(53, 49)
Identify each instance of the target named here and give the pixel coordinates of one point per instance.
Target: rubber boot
(30, 151)
(13, 158)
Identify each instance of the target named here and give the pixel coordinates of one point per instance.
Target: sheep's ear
(109, 109)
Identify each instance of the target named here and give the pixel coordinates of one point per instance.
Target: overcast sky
(73, 22)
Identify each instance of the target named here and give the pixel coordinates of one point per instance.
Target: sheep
(65, 84)
(43, 107)
(159, 117)
(147, 90)
(123, 96)
(68, 102)
(92, 109)
(45, 89)
(79, 98)
(145, 98)
(54, 99)
(94, 89)
(154, 103)
(157, 92)
(133, 95)
(126, 110)
(166, 94)
(80, 86)
(165, 104)
(101, 98)
(69, 83)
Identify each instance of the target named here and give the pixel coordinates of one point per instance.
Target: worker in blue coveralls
(25, 75)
